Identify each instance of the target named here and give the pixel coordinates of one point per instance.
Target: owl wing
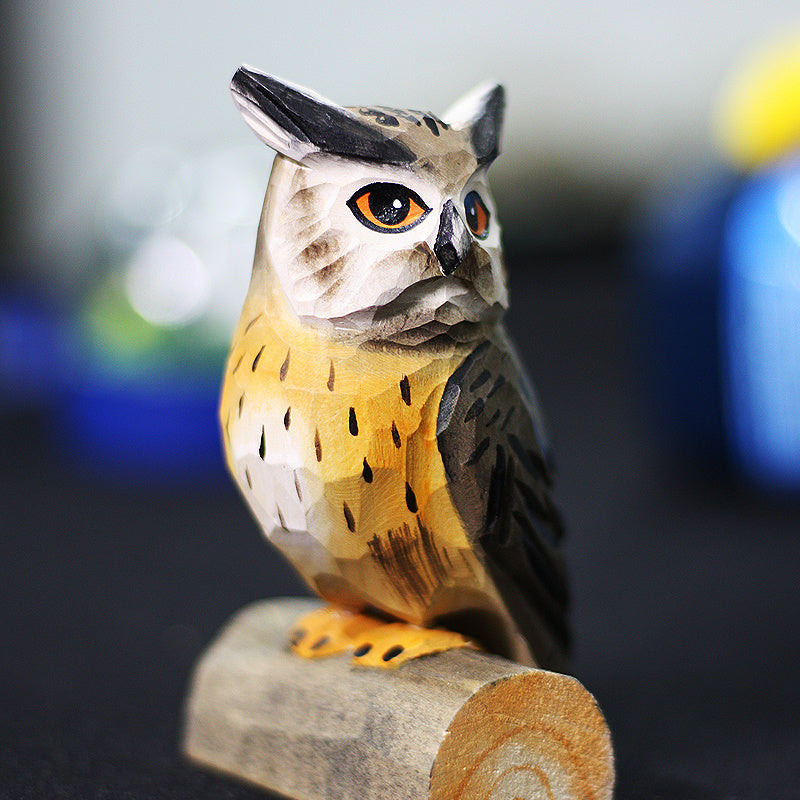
(493, 446)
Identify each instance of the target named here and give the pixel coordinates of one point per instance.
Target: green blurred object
(153, 329)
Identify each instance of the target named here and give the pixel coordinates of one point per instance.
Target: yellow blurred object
(758, 115)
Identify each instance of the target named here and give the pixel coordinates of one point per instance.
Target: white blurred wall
(607, 88)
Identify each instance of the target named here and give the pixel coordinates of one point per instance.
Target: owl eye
(388, 207)
(477, 215)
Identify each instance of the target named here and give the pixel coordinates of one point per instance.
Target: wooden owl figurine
(375, 416)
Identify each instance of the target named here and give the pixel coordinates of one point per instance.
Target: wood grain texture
(459, 725)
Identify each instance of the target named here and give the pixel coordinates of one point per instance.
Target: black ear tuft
(481, 110)
(297, 122)
(486, 129)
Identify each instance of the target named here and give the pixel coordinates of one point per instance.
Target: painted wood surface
(375, 416)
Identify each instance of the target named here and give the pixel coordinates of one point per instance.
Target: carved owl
(375, 416)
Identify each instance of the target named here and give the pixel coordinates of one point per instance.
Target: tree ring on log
(512, 740)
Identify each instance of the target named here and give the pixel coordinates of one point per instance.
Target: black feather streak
(280, 518)
(478, 452)
(523, 455)
(474, 410)
(396, 436)
(480, 380)
(541, 465)
(410, 558)
(258, 356)
(531, 499)
(405, 390)
(285, 365)
(348, 516)
(411, 499)
(499, 381)
(317, 445)
(353, 422)
(497, 482)
(251, 323)
(431, 123)
(297, 488)
(366, 473)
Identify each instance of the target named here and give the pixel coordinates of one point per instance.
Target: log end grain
(458, 725)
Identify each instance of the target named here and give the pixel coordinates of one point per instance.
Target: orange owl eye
(388, 207)
(477, 215)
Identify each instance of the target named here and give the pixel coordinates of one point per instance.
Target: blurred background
(649, 190)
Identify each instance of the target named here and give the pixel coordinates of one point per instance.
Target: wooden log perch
(459, 725)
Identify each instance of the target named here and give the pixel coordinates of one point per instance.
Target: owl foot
(375, 643)
(392, 644)
(329, 630)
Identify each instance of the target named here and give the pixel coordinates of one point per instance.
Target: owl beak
(452, 241)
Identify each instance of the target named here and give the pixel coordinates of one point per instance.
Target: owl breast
(334, 448)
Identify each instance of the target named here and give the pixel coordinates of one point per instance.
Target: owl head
(378, 222)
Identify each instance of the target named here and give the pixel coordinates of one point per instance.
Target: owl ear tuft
(480, 110)
(297, 122)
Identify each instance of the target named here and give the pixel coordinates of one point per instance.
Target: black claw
(393, 652)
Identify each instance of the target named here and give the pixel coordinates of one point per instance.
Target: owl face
(379, 222)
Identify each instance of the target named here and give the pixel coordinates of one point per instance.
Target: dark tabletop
(686, 603)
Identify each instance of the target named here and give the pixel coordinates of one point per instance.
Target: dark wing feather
(492, 442)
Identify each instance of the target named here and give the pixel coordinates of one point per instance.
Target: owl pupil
(387, 205)
(470, 207)
(477, 215)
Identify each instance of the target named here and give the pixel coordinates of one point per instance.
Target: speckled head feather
(385, 278)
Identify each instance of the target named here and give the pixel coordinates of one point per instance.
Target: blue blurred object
(761, 327)
(35, 353)
(153, 328)
(677, 257)
(146, 415)
(159, 428)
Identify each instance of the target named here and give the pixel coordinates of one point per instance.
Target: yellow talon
(375, 643)
(327, 631)
(393, 644)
